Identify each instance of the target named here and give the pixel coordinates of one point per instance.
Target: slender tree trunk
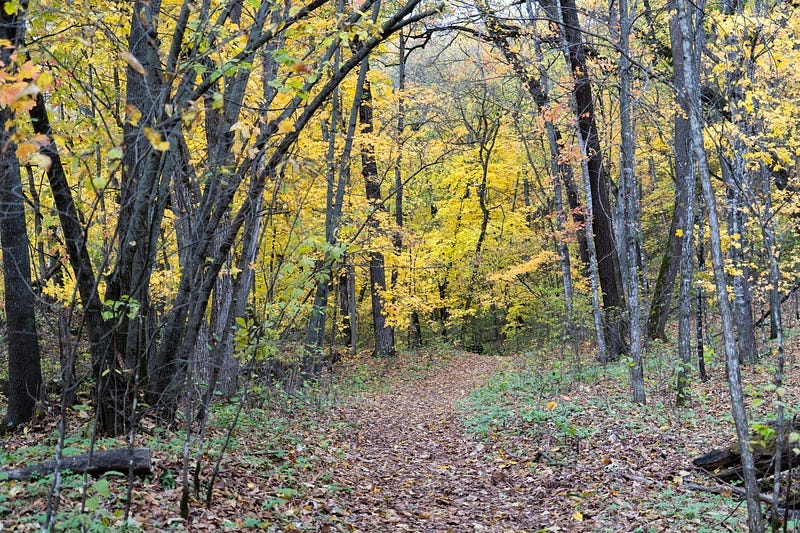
(24, 364)
(767, 223)
(700, 304)
(315, 333)
(597, 311)
(662, 293)
(347, 299)
(414, 330)
(734, 174)
(563, 250)
(628, 192)
(74, 240)
(738, 182)
(681, 229)
(691, 80)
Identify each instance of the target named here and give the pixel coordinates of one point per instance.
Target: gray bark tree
(683, 220)
(692, 84)
(627, 199)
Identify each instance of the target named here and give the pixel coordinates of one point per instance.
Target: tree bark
(124, 460)
(692, 82)
(628, 192)
(24, 363)
(683, 220)
(608, 264)
(382, 332)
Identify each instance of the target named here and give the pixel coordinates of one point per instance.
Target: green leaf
(101, 486)
(93, 503)
(11, 7)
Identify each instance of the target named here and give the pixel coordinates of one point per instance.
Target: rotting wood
(121, 460)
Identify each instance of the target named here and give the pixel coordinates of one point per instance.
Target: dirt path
(413, 468)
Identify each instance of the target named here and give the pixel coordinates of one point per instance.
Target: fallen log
(120, 460)
(726, 463)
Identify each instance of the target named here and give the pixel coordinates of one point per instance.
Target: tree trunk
(594, 278)
(681, 229)
(315, 331)
(136, 460)
(768, 235)
(700, 304)
(608, 265)
(24, 364)
(414, 331)
(347, 299)
(628, 192)
(692, 83)
(738, 182)
(383, 333)
(75, 243)
(734, 175)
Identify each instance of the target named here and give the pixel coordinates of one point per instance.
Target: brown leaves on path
(411, 466)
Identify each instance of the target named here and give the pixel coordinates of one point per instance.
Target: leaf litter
(563, 452)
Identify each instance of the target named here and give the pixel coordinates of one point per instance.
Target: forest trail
(412, 467)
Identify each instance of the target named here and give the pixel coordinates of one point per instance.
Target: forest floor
(433, 441)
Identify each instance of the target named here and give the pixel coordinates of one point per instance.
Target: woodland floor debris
(397, 456)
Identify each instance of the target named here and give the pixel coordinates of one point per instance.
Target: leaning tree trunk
(24, 364)
(692, 83)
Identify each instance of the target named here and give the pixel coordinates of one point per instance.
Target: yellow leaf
(24, 150)
(132, 115)
(679, 232)
(44, 80)
(551, 405)
(132, 62)
(156, 141)
(285, 127)
(11, 7)
(578, 516)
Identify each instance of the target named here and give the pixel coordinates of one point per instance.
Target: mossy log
(120, 460)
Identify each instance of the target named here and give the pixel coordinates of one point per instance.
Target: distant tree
(383, 333)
